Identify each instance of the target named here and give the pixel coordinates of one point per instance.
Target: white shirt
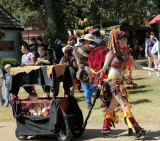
(155, 49)
(26, 58)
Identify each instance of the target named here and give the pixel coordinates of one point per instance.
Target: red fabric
(14, 98)
(72, 37)
(107, 124)
(155, 20)
(90, 31)
(135, 124)
(95, 60)
(51, 101)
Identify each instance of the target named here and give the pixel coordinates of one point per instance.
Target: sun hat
(88, 37)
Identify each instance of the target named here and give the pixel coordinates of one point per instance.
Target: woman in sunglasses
(148, 47)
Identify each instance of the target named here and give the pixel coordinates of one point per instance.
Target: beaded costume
(114, 86)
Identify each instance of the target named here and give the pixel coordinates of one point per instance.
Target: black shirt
(45, 57)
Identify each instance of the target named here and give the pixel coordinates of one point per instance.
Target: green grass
(145, 100)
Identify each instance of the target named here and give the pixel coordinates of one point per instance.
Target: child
(36, 109)
(7, 84)
(1, 84)
(33, 107)
(44, 59)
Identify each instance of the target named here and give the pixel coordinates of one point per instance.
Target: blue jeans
(88, 90)
(1, 97)
(7, 96)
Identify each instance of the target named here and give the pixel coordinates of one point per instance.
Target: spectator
(33, 46)
(81, 54)
(148, 47)
(72, 40)
(70, 59)
(1, 84)
(40, 43)
(156, 50)
(97, 36)
(44, 59)
(7, 85)
(135, 49)
(58, 54)
(28, 58)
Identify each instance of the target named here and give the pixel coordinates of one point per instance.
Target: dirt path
(92, 133)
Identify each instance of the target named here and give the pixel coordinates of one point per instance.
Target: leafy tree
(25, 10)
(2, 34)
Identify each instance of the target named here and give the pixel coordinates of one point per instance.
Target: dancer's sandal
(141, 132)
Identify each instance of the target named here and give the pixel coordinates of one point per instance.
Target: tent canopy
(155, 20)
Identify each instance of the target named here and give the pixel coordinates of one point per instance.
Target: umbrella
(156, 20)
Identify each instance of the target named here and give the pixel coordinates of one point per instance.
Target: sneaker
(150, 73)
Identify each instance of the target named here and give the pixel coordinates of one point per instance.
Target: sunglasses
(152, 34)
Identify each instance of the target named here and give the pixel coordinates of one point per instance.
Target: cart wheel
(62, 137)
(22, 137)
(77, 131)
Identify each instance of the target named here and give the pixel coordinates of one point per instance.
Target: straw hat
(88, 37)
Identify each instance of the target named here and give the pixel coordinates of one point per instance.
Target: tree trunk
(49, 13)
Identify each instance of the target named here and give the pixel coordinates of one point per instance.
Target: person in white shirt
(154, 51)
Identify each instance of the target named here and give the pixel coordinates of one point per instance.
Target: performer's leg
(131, 122)
(109, 117)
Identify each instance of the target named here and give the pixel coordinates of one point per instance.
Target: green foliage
(12, 61)
(48, 37)
(25, 10)
(60, 30)
(68, 12)
(2, 34)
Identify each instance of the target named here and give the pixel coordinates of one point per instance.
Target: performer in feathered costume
(108, 66)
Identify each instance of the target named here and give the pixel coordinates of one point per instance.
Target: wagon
(64, 117)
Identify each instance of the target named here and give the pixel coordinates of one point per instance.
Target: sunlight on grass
(145, 100)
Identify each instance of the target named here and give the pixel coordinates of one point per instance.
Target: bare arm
(138, 66)
(107, 61)
(33, 59)
(60, 62)
(146, 50)
(54, 55)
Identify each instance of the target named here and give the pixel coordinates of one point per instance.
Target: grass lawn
(145, 100)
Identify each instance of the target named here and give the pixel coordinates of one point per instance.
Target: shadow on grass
(139, 87)
(87, 135)
(138, 78)
(138, 92)
(140, 101)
